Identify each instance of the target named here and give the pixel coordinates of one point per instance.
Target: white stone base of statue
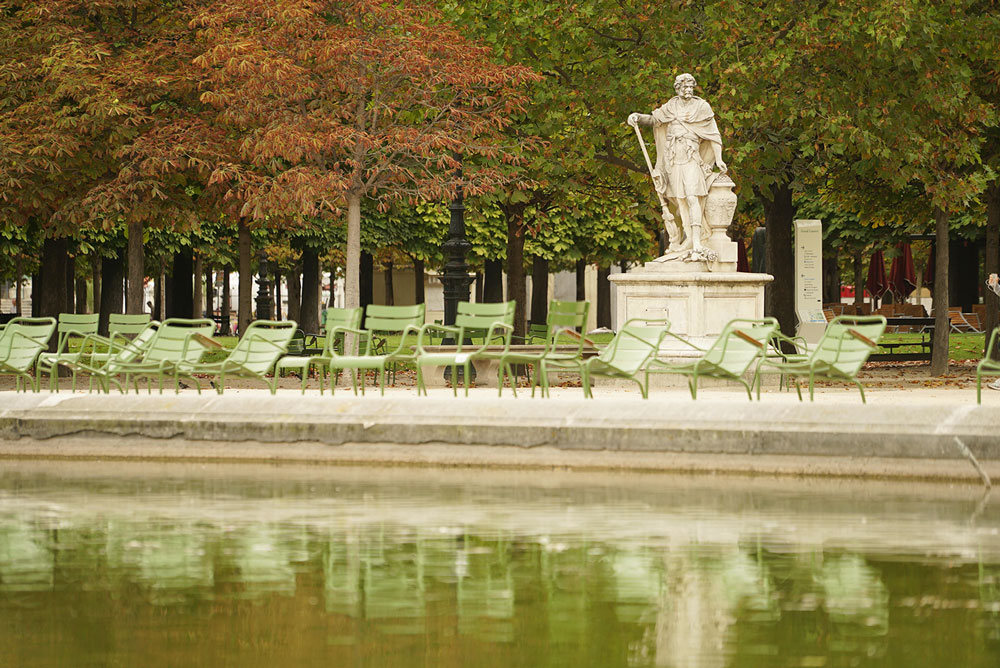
(697, 302)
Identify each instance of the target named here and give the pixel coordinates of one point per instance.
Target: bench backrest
(564, 316)
(128, 324)
(263, 342)
(633, 345)
(38, 329)
(380, 318)
(848, 341)
(479, 317)
(18, 348)
(174, 340)
(741, 343)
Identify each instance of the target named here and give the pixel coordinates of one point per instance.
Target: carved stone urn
(720, 206)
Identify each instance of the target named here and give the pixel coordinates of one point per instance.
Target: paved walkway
(918, 433)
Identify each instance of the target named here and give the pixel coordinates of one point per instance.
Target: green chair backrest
(75, 324)
(173, 341)
(39, 329)
(19, 348)
(263, 342)
(741, 342)
(393, 319)
(340, 317)
(633, 345)
(128, 324)
(475, 319)
(848, 341)
(132, 349)
(566, 316)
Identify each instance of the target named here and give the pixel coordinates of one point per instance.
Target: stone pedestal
(697, 302)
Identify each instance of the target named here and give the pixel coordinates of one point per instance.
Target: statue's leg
(682, 211)
(672, 228)
(692, 222)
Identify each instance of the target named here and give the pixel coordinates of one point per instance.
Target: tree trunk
(390, 297)
(779, 295)
(477, 287)
(331, 301)
(209, 291)
(181, 300)
(309, 311)
(963, 282)
(942, 324)
(52, 296)
(581, 280)
(226, 326)
(95, 288)
(539, 289)
(516, 288)
(603, 297)
(352, 282)
(493, 281)
(418, 281)
(831, 275)
(81, 294)
(277, 294)
(293, 281)
(198, 294)
(36, 294)
(70, 284)
(18, 285)
(244, 297)
(859, 282)
(136, 269)
(112, 290)
(366, 278)
(992, 264)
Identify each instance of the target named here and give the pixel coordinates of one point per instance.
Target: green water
(171, 565)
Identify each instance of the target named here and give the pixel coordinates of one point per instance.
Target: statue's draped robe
(684, 134)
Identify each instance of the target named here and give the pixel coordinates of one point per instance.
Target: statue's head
(684, 85)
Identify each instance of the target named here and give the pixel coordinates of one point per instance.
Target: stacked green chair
(988, 366)
(105, 370)
(740, 346)
(71, 328)
(386, 321)
(177, 341)
(843, 349)
(638, 341)
(21, 343)
(496, 320)
(338, 320)
(258, 350)
(562, 345)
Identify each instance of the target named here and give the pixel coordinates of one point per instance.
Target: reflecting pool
(210, 565)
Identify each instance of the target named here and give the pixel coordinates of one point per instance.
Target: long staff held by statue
(668, 218)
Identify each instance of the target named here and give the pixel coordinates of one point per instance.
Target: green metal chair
(741, 344)
(561, 344)
(125, 325)
(177, 341)
(21, 343)
(402, 321)
(105, 370)
(843, 349)
(71, 328)
(637, 341)
(495, 319)
(988, 366)
(258, 350)
(338, 320)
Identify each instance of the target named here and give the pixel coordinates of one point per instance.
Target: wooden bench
(924, 326)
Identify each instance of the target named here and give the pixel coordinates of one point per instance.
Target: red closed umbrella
(876, 283)
(902, 275)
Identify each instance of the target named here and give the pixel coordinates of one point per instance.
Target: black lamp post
(263, 289)
(455, 279)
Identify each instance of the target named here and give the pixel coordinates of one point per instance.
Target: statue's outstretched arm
(644, 120)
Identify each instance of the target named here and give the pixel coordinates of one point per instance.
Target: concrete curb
(708, 426)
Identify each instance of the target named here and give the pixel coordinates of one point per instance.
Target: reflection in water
(217, 566)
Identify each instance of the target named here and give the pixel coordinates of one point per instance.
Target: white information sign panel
(809, 278)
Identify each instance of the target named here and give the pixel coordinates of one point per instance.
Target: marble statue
(688, 149)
